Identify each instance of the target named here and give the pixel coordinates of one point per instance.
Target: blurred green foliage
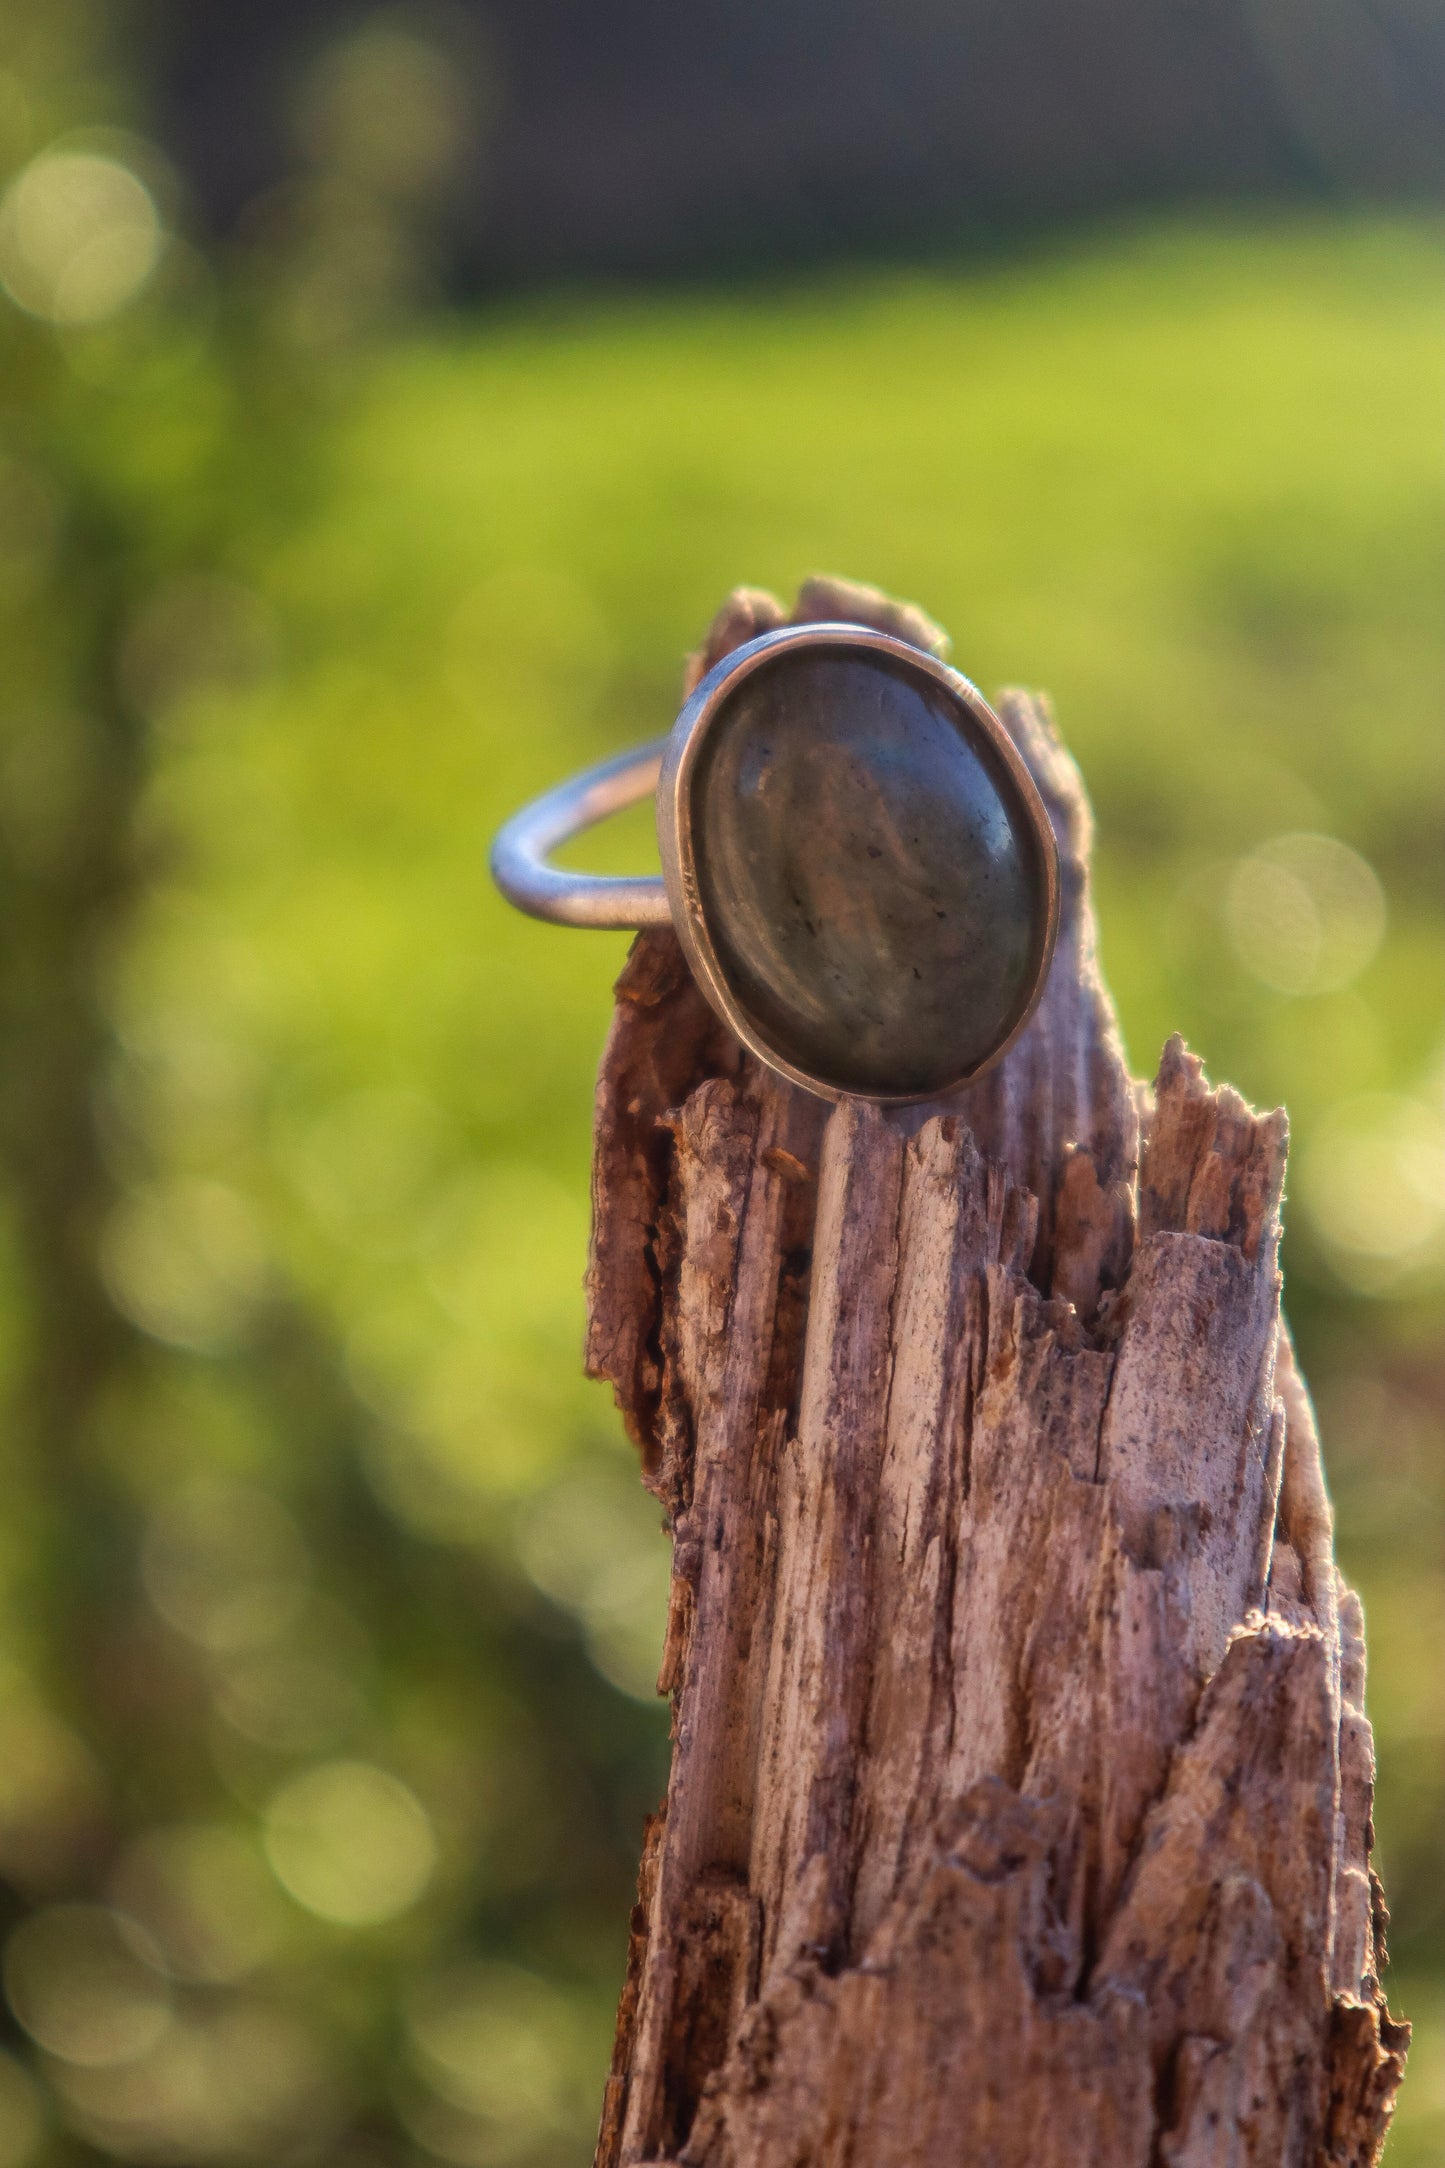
(329, 1602)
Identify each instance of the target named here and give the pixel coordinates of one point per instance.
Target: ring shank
(520, 854)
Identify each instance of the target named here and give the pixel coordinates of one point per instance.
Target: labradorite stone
(867, 871)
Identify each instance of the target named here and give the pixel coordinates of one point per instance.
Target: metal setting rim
(679, 867)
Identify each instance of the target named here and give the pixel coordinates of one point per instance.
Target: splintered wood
(1020, 1799)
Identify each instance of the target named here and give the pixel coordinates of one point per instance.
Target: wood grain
(1020, 1799)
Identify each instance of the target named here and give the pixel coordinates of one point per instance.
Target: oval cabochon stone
(868, 871)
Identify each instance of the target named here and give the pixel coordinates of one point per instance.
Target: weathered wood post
(1020, 1798)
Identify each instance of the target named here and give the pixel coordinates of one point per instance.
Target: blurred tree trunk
(1020, 1797)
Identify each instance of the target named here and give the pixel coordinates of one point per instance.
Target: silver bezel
(675, 840)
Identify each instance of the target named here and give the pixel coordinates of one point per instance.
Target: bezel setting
(677, 847)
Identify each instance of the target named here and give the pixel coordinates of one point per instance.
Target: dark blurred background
(387, 398)
(646, 138)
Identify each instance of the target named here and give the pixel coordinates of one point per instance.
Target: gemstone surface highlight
(868, 871)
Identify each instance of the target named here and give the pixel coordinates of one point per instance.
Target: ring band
(521, 865)
(855, 859)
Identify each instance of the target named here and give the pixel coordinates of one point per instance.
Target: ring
(855, 858)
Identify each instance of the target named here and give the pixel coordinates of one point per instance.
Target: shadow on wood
(1020, 1797)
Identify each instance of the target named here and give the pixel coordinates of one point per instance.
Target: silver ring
(855, 858)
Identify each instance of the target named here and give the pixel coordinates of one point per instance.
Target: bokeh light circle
(350, 1843)
(80, 236)
(1305, 913)
(1372, 1180)
(224, 1564)
(203, 1891)
(86, 1985)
